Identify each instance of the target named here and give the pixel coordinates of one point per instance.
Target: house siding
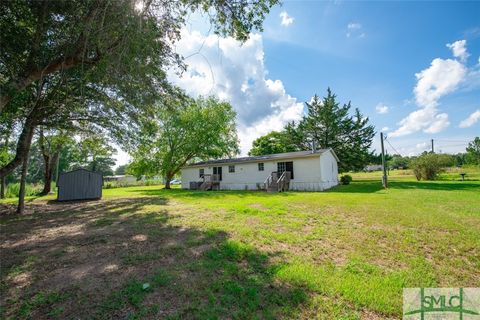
(308, 172)
(329, 170)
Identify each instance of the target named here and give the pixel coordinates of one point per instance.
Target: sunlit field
(149, 253)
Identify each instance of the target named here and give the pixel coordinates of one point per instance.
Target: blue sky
(412, 67)
(376, 59)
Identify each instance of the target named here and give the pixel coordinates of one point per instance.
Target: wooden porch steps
(277, 183)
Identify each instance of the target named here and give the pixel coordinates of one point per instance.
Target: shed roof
(276, 156)
(80, 169)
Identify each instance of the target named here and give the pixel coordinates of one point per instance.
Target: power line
(392, 147)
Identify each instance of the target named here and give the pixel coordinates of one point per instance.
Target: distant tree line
(471, 156)
(53, 152)
(428, 165)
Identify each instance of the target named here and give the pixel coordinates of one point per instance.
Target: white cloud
(354, 26)
(427, 119)
(236, 73)
(442, 77)
(354, 29)
(385, 129)
(439, 122)
(471, 120)
(286, 19)
(422, 145)
(459, 49)
(381, 108)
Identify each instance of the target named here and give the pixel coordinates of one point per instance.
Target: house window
(285, 166)
(201, 172)
(231, 169)
(261, 166)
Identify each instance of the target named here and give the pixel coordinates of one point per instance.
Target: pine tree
(325, 121)
(360, 137)
(330, 125)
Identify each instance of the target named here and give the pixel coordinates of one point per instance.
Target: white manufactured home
(302, 170)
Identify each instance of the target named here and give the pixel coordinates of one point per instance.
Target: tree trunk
(23, 146)
(3, 182)
(2, 187)
(47, 173)
(23, 180)
(168, 179)
(50, 162)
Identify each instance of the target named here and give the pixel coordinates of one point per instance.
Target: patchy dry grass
(148, 253)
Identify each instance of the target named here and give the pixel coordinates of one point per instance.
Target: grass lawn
(149, 253)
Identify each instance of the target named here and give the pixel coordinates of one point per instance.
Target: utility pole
(384, 165)
(433, 151)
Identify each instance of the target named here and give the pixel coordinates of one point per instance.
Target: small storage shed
(80, 184)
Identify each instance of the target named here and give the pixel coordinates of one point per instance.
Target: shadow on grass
(127, 258)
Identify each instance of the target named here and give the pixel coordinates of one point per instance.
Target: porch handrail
(281, 181)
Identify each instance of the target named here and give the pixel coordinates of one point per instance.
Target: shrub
(429, 165)
(346, 179)
(13, 189)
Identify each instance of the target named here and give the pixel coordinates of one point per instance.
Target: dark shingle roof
(286, 155)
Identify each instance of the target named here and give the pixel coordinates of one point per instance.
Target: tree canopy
(183, 129)
(273, 142)
(330, 125)
(327, 124)
(473, 152)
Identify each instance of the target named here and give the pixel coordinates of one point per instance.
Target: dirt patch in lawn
(111, 259)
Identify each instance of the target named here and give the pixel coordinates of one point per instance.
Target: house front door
(218, 170)
(285, 166)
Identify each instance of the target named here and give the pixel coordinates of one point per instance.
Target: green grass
(42, 300)
(359, 242)
(133, 294)
(334, 254)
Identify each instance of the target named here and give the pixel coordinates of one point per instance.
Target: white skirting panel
(312, 186)
(297, 186)
(241, 186)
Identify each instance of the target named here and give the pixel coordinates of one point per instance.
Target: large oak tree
(184, 129)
